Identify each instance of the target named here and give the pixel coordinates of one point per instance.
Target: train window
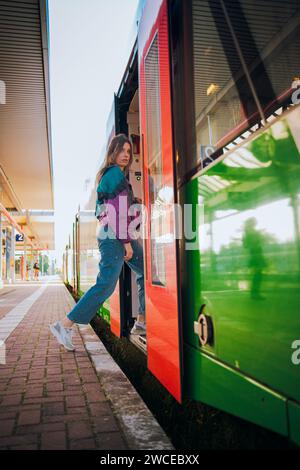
(155, 171)
(268, 34)
(245, 59)
(223, 97)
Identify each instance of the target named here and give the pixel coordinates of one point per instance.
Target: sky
(90, 43)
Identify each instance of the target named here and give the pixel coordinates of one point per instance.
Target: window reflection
(222, 95)
(270, 47)
(89, 252)
(155, 172)
(245, 59)
(250, 239)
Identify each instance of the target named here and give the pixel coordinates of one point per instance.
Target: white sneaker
(138, 329)
(63, 335)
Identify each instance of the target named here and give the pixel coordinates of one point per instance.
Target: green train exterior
(236, 118)
(246, 277)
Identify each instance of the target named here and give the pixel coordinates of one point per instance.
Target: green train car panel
(245, 276)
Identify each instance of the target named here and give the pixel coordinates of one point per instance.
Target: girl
(114, 242)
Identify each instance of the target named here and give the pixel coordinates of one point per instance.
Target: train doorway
(127, 121)
(136, 181)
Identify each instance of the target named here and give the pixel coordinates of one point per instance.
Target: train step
(140, 341)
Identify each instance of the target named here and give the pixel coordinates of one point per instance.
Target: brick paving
(51, 398)
(11, 296)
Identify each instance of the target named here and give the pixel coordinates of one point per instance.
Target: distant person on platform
(36, 269)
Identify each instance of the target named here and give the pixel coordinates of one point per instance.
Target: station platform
(51, 398)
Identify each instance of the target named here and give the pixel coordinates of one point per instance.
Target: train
(210, 99)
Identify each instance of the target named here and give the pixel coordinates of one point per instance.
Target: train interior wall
(135, 176)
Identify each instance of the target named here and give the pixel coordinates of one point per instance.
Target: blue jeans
(112, 253)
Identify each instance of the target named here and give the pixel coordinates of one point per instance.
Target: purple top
(114, 199)
(116, 215)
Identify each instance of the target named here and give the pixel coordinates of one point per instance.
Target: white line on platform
(16, 315)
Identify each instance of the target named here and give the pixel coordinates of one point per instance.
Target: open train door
(161, 284)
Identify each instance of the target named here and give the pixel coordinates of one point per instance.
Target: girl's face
(123, 157)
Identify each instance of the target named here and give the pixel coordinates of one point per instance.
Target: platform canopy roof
(26, 173)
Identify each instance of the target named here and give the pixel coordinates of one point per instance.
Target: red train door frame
(161, 285)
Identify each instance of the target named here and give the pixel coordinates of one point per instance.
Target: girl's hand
(128, 251)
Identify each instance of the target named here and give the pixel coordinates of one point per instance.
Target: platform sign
(19, 237)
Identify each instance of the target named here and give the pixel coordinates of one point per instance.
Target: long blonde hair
(115, 147)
